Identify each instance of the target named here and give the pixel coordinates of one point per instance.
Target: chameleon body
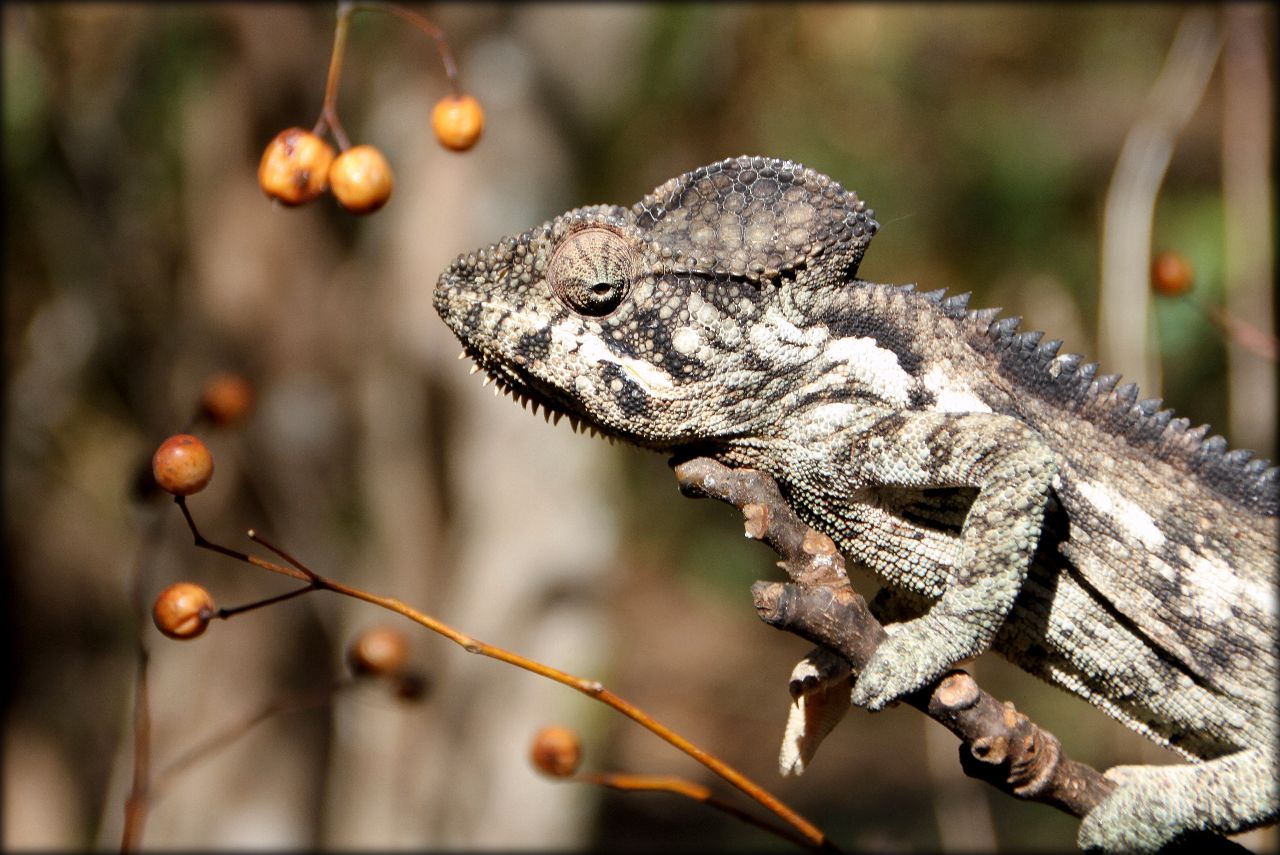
(1009, 496)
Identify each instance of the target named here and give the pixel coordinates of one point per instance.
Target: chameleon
(1008, 496)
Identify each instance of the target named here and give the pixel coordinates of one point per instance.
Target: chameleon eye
(591, 271)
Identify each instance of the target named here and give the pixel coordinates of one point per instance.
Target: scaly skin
(1030, 506)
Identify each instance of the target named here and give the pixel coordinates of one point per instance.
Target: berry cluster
(299, 166)
(182, 465)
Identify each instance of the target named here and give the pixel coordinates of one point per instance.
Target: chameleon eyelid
(592, 270)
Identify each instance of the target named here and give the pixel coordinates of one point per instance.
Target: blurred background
(141, 258)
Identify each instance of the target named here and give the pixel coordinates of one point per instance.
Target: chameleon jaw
(524, 391)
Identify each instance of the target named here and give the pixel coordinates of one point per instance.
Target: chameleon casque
(1020, 500)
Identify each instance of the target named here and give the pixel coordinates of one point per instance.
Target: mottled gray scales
(1011, 497)
(753, 217)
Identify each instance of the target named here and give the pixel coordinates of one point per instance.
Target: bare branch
(1000, 745)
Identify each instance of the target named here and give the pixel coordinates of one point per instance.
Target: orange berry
(556, 751)
(182, 465)
(361, 179)
(183, 610)
(226, 398)
(378, 651)
(457, 122)
(294, 168)
(1171, 275)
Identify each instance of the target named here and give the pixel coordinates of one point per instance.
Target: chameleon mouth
(510, 381)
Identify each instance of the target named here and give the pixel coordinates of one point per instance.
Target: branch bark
(1000, 745)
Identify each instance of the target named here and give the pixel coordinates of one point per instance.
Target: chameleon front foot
(916, 653)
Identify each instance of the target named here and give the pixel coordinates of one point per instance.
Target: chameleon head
(665, 322)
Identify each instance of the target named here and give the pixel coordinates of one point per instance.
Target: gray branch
(1000, 745)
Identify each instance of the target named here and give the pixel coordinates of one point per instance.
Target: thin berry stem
(329, 111)
(812, 835)
(594, 689)
(229, 734)
(224, 614)
(138, 801)
(203, 543)
(1239, 331)
(689, 789)
(436, 34)
(346, 8)
(316, 578)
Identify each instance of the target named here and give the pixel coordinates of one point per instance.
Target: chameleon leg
(1011, 468)
(1155, 804)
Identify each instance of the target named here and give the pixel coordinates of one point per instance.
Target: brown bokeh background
(141, 257)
